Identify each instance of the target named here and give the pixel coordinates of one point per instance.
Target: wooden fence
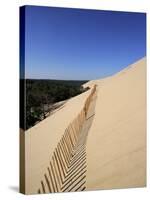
(67, 168)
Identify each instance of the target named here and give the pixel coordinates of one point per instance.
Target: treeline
(39, 96)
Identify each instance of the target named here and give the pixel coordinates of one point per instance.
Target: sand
(42, 139)
(116, 145)
(116, 137)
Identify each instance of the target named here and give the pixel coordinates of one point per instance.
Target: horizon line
(87, 79)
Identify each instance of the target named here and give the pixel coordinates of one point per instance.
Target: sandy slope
(116, 142)
(42, 139)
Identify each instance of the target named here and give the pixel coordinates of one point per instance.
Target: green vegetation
(41, 96)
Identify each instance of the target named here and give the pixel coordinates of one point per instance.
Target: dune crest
(116, 146)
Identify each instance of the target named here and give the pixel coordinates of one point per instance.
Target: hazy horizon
(81, 44)
(84, 79)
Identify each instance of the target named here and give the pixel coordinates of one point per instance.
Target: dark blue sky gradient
(80, 44)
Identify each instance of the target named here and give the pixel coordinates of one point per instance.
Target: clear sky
(81, 44)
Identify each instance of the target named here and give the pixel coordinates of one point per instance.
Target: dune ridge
(116, 145)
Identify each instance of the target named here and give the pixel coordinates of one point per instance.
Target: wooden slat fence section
(67, 169)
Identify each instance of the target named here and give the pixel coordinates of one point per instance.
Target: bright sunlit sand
(113, 134)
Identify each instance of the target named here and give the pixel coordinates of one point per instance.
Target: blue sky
(81, 44)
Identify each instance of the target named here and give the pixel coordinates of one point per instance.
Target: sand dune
(116, 142)
(102, 130)
(42, 139)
